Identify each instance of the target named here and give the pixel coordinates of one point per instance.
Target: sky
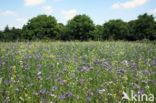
(17, 12)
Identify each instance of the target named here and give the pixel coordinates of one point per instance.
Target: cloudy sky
(18, 12)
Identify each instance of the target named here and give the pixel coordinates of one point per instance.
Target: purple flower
(72, 75)
(39, 78)
(96, 61)
(42, 91)
(17, 89)
(39, 65)
(137, 87)
(6, 100)
(68, 94)
(91, 68)
(44, 100)
(121, 71)
(88, 98)
(38, 56)
(153, 62)
(62, 82)
(48, 78)
(151, 81)
(143, 81)
(54, 88)
(61, 96)
(11, 67)
(140, 91)
(100, 91)
(84, 69)
(6, 82)
(91, 93)
(1, 91)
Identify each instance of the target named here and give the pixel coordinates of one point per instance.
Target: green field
(76, 72)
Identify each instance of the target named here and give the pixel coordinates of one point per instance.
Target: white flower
(39, 73)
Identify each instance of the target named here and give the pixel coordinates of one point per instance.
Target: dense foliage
(115, 29)
(41, 27)
(81, 27)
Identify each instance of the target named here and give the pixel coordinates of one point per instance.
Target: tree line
(82, 27)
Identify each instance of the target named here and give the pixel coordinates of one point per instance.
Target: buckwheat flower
(68, 94)
(54, 88)
(61, 96)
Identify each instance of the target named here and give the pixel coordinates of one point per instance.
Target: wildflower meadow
(77, 72)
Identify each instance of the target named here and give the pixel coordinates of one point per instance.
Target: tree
(80, 28)
(61, 31)
(132, 35)
(16, 33)
(41, 27)
(116, 30)
(11, 34)
(98, 32)
(1, 35)
(143, 27)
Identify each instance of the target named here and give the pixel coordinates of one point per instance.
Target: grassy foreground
(77, 72)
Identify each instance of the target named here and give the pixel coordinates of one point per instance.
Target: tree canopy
(41, 27)
(82, 27)
(116, 30)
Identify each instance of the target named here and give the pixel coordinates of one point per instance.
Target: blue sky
(18, 12)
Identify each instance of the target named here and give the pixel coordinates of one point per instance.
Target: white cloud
(69, 14)
(10, 13)
(129, 4)
(153, 11)
(23, 20)
(33, 2)
(47, 9)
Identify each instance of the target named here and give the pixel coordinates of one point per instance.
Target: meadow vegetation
(76, 72)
